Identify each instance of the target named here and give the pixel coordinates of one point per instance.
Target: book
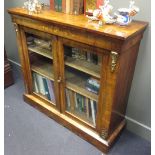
(71, 97)
(71, 6)
(93, 112)
(40, 84)
(64, 6)
(82, 104)
(75, 100)
(67, 98)
(94, 58)
(68, 6)
(89, 6)
(50, 85)
(46, 88)
(76, 7)
(88, 56)
(93, 85)
(99, 60)
(59, 5)
(79, 102)
(99, 3)
(56, 5)
(52, 4)
(81, 8)
(87, 106)
(36, 89)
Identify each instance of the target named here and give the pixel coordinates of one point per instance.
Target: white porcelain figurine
(33, 6)
(103, 14)
(125, 14)
(123, 17)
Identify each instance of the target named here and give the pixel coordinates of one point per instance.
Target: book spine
(71, 6)
(50, 85)
(36, 89)
(79, 102)
(89, 6)
(41, 84)
(99, 60)
(76, 7)
(82, 103)
(56, 5)
(60, 5)
(87, 106)
(71, 96)
(81, 7)
(95, 107)
(68, 6)
(85, 7)
(67, 98)
(64, 6)
(93, 112)
(46, 88)
(75, 98)
(88, 56)
(99, 3)
(52, 4)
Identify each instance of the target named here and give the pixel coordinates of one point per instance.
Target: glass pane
(82, 75)
(41, 60)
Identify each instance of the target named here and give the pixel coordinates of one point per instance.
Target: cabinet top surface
(81, 22)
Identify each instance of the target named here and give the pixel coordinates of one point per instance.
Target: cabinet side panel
(126, 65)
(21, 55)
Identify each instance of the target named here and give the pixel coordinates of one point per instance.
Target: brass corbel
(16, 27)
(104, 133)
(114, 57)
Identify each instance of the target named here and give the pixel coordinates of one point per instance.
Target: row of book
(76, 53)
(44, 87)
(79, 104)
(75, 7)
(80, 54)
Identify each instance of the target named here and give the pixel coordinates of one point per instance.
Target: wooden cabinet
(77, 73)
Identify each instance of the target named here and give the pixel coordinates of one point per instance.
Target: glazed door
(39, 50)
(81, 74)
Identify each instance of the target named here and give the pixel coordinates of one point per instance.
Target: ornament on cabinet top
(125, 14)
(33, 6)
(104, 14)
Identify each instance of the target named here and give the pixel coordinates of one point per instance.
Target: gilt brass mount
(16, 27)
(114, 57)
(104, 133)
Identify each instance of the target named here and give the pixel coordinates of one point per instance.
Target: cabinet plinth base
(80, 130)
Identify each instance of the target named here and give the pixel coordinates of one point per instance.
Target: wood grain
(114, 31)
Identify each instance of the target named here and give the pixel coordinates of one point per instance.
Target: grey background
(139, 104)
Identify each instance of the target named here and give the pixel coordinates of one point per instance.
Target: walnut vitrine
(77, 73)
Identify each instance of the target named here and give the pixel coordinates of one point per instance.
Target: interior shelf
(80, 115)
(43, 68)
(84, 66)
(41, 51)
(73, 81)
(77, 84)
